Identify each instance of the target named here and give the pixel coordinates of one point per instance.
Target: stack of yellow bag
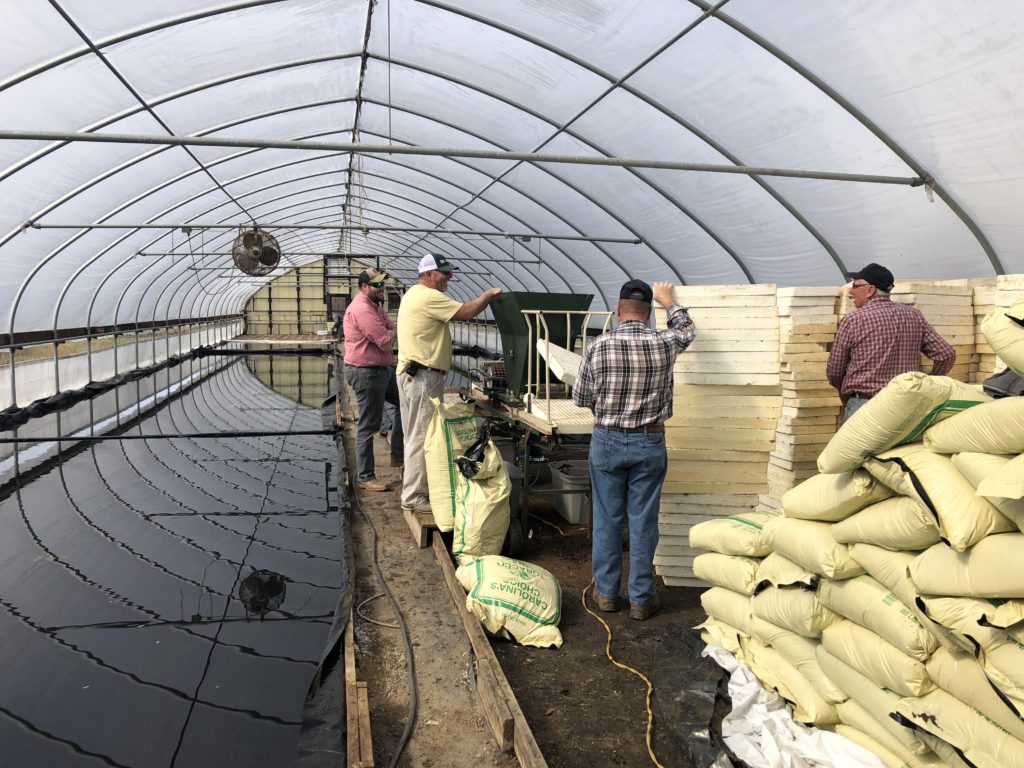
(886, 602)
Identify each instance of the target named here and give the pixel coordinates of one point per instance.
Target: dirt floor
(449, 726)
(583, 710)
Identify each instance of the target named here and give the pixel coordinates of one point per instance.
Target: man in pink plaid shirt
(879, 340)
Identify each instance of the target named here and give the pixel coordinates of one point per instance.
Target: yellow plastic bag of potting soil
(737, 535)
(999, 479)
(810, 544)
(777, 570)
(451, 431)
(991, 568)
(899, 524)
(514, 599)
(869, 603)
(1004, 331)
(879, 661)
(900, 413)
(829, 498)
(959, 673)
(729, 571)
(728, 606)
(996, 427)
(875, 702)
(1006, 482)
(981, 741)
(962, 517)
(793, 608)
(775, 672)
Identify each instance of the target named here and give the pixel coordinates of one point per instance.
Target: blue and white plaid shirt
(626, 374)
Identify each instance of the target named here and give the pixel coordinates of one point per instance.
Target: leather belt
(860, 395)
(367, 367)
(646, 428)
(435, 370)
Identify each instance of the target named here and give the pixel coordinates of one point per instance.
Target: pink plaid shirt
(881, 340)
(369, 333)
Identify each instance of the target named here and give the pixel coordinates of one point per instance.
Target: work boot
(645, 611)
(373, 484)
(606, 604)
(397, 461)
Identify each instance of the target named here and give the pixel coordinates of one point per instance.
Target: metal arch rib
(564, 128)
(444, 77)
(126, 164)
(868, 123)
(521, 108)
(313, 61)
(315, 104)
(708, 8)
(540, 204)
(584, 140)
(256, 173)
(124, 37)
(110, 120)
(408, 210)
(126, 261)
(138, 96)
(525, 195)
(363, 60)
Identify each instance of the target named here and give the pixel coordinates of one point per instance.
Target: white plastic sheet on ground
(761, 732)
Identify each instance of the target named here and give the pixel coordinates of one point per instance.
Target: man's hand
(474, 307)
(663, 293)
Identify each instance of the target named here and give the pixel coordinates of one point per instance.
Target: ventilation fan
(256, 252)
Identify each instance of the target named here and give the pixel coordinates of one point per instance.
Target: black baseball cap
(372, 277)
(637, 290)
(876, 275)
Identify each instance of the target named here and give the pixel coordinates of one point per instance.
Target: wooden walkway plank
(359, 737)
(420, 523)
(503, 712)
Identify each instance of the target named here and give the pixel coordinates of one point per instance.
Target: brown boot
(645, 611)
(397, 461)
(373, 484)
(606, 604)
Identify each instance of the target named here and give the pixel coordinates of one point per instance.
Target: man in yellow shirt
(424, 357)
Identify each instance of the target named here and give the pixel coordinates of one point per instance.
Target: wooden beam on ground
(508, 724)
(420, 523)
(359, 737)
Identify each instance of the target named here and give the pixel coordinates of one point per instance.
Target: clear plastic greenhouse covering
(869, 131)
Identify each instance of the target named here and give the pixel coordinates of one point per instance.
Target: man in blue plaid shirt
(626, 380)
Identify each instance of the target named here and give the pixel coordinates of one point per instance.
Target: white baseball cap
(435, 261)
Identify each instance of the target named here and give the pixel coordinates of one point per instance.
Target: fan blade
(269, 256)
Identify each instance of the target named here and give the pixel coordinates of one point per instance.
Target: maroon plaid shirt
(881, 340)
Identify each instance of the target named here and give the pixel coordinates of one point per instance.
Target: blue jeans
(852, 406)
(627, 470)
(373, 387)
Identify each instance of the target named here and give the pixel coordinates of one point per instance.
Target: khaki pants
(414, 394)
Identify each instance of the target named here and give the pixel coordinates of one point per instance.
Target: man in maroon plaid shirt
(879, 340)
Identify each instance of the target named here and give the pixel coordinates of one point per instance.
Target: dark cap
(372, 277)
(637, 290)
(876, 275)
(435, 262)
